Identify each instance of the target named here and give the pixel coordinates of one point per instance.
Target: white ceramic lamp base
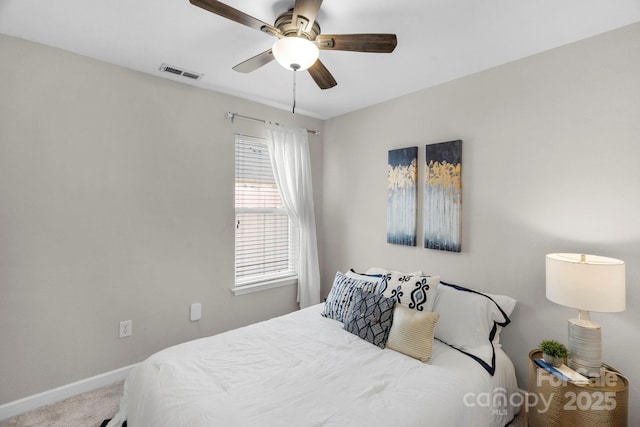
(585, 347)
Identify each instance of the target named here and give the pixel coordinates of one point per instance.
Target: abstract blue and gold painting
(442, 211)
(402, 196)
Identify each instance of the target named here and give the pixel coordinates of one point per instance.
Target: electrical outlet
(126, 328)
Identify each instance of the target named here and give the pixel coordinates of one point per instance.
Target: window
(264, 235)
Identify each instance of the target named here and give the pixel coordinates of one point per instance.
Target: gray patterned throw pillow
(370, 317)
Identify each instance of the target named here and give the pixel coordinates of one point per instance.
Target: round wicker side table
(553, 402)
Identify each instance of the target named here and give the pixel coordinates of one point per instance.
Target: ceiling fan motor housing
(299, 28)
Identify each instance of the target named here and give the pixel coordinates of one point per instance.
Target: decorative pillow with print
(414, 291)
(380, 270)
(387, 274)
(371, 317)
(340, 299)
(375, 278)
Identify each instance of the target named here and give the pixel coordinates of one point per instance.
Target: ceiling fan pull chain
(294, 67)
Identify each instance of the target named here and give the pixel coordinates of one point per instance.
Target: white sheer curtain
(289, 152)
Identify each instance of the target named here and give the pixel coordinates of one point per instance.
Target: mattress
(302, 369)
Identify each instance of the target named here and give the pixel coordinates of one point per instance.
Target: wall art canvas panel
(442, 212)
(402, 196)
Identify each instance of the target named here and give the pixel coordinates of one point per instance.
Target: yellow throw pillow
(412, 332)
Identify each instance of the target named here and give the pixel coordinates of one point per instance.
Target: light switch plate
(196, 311)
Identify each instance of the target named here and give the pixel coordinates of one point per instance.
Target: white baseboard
(60, 393)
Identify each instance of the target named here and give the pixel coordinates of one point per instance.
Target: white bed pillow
(469, 321)
(417, 292)
(507, 304)
(412, 332)
(341, 297)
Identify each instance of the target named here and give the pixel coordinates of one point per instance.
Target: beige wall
(551, 146)
(116, 203)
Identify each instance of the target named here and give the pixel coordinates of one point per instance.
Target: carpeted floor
(84, 410)
(91, 408)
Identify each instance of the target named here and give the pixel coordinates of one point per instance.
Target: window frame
(259, 282)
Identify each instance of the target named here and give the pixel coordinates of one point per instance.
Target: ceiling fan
(300, 39)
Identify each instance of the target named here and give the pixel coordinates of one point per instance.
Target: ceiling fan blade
(321, 75)
(375, 43)
(236, 15)
(254, 63)
(307, 9)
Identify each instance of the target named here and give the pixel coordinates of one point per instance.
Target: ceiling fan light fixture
(295, 53)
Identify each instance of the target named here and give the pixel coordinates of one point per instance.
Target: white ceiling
(438, 40)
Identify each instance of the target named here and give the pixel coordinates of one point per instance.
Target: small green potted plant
(553, 352)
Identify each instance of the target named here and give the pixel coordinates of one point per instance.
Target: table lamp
(588, 283)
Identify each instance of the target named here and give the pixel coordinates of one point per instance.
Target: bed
(304, 369)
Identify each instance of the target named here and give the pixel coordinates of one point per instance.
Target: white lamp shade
(295, 53)
(592, 284)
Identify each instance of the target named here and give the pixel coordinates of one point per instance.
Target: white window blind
(264, 234)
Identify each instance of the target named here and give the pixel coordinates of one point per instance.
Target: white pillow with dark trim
(507, 304)
(469, 322)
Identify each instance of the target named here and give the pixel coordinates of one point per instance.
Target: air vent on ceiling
(177, 71)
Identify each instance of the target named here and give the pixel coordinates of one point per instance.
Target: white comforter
(302, 370)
